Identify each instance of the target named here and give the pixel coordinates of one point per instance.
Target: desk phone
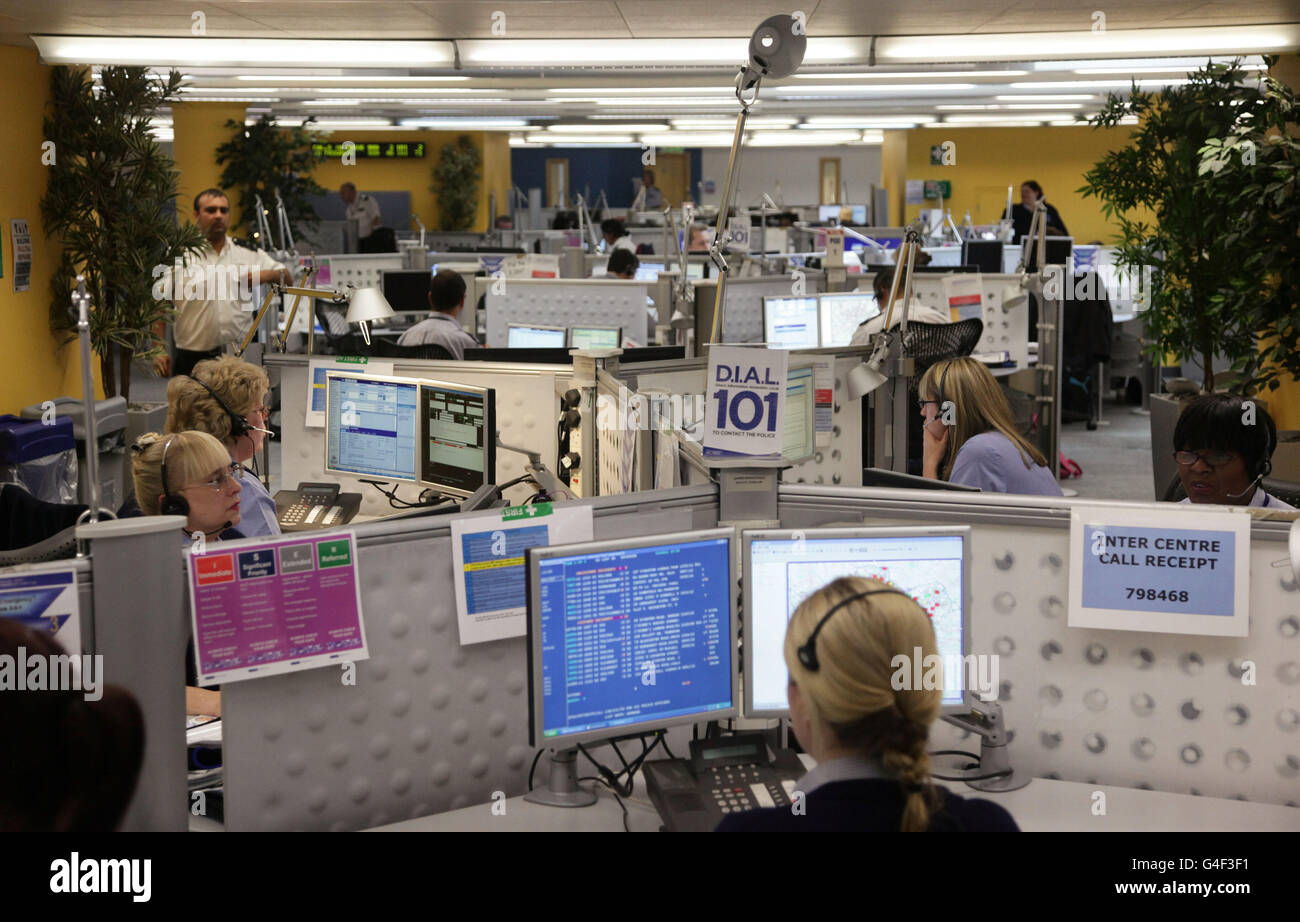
(728, 775)
(315, 505)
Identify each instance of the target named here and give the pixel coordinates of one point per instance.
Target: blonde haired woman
(869, 739)
(189, 474)
(969, 436)
(226, 398)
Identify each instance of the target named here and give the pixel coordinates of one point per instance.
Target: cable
(533, 767)
(664, 743)
(622, 806)
(1002, 774)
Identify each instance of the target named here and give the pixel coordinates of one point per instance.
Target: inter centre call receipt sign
(1175, 571)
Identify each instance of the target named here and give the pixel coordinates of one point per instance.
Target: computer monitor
(648, 272)
(783, 567)
(458, 435)
(790, 323)
(630, 636)
(695, 270)
(1059, 250)
(879, 477)
(987, 254)
(524, 336)
(595, 337)
(800, 415)
(841, 313)
(832, 213)
(407, 290)
(370, 425)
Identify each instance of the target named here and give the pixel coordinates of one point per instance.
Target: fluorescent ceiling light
(355, 78)
(577, 52)
(860, 89)
(281, 122)
(1049, 97)
(758, 121)
(395, 91)
(453, 123)
(1037, 106)
(1154, 70)
(977, 119)
(233, 99)
(659, 103)
(962, 106)
(1017, 46)
(912, 75)
(516, 141)
(548, 138)
(229, 90)
(867, 121)
(1096, 84)
(597, 129)
(235, 52)
(330, 103)
(787, 137)
(330, 123)
(1150, 64)
(634, 90)
(688, 139)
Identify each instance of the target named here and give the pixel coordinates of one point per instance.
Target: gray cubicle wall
(429, 725)
(743, 319)
(527, 411)
(1128, 708)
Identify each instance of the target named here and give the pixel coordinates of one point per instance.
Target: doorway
(828, 181)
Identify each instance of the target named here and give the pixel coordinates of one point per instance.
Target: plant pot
(1164, 416)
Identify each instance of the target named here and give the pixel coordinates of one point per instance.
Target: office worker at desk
(447, 298)
(189, 474)
(1022, 213)
(1224, 450)
(969, 436)
(226, 397)
(870, 740)
(918, 312)
(616, 236)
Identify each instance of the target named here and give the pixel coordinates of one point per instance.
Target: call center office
(435, 533)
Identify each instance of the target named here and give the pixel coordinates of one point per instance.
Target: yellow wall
(990, 159)
(199, 129)
(893, 171)
(1284, 403)
(496, 174)
(35, 367)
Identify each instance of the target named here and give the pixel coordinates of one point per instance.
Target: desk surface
(1043, 806)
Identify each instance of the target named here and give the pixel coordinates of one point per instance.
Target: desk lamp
(367, 304)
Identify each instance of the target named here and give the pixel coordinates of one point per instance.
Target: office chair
(381, 348)
(925, 344)
(32, 530)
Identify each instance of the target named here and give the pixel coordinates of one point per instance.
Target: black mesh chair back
(927, 343)
(382, 348)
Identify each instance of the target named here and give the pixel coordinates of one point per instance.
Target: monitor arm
(984, 718)
(547, 483)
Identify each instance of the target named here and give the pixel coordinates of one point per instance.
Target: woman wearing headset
(189, 474)
(969, 436)
(870, 739)
(226, 398)
(1224, 448)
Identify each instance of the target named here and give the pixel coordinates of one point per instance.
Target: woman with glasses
(870, 738)
(1224, 446)
(969, 437)
(226, 397)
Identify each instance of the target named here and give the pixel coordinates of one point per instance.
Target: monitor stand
(562, 789)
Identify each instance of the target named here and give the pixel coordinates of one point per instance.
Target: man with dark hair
(616, 236)
(362, 213)
(447, 298)
(1223, 446)
(622, 264)
(880, 286)
(210, 312)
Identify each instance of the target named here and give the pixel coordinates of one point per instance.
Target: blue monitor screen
(648, 272)
(790, 323)
(611, 620)
(371, 427)
(521, 337)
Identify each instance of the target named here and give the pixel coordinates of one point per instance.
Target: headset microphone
(252, 428)
(1254, 483)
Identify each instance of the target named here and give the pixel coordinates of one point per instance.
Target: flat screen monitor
(630, 636)
(790, 323)
(832, 213)
(595, 337)
(407, 290)
(695, 270)
(879, 477)
(841, 313)
(1059, 251)
(987, 254)
(371, 423)
(522, 336)
(458, 437)
(783, 567)
(648, 272)
(800, 415)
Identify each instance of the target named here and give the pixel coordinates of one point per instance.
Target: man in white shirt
(447, 298)
(209, 306)
(363, 211)
(616, 236)
(654, 198)
(919, 313)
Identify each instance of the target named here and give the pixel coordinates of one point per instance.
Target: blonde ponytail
(852, 690)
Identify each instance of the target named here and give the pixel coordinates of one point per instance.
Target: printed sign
(1176, 571)
(745, 402)
(965, 293)
(277, 606)
(45, 601)
(22, 242)
(488, 556)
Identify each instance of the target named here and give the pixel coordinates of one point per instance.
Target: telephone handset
(315, 505)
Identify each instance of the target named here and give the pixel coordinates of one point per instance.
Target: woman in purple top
(969, 436)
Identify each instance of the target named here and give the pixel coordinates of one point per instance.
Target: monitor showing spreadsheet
(841, 313)
(595, 337)
(458, 436)
(790, 323)
(783, 567)
(800, 415)
(370, 425)
(521, 336)
(648, 272)
(630, 635)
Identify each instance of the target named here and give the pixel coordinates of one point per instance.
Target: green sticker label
(333, 554)
(529, 511)
(352, 359)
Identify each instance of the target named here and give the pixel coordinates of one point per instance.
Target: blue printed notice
(1167, 570)
(494, 566)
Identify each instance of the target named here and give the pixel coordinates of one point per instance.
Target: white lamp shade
(863, 380)
(368, 304)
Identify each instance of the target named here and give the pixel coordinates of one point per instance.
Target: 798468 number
(1161, 595)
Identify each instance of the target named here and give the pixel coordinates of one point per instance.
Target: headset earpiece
(172, 504)
(238, 425)
(807, 652)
